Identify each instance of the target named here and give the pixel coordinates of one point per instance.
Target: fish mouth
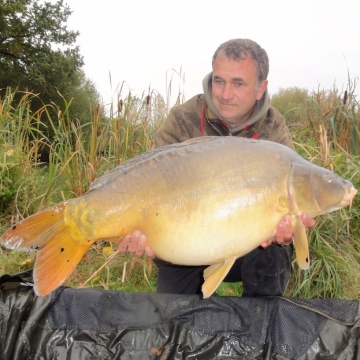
(348, 198)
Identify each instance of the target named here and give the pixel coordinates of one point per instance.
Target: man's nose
(227, 93)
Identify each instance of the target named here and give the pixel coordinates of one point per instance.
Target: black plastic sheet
(99, 324)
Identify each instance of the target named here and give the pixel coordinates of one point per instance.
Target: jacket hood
(260, 109)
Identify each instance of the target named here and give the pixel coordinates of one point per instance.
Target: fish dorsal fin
(214, 275)
(301, 243)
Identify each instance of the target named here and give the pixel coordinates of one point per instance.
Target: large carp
(206, 201)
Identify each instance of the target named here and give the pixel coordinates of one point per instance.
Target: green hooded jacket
(184, 121)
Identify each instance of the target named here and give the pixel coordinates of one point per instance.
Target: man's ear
(262, 89)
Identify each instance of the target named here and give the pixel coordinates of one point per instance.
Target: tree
(38, 54)
(29, 33)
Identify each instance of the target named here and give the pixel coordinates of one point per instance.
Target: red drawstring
(202, 121)
(225, 124)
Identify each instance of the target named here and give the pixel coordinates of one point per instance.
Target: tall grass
(20, 143)
(327, 134)
(79, 152)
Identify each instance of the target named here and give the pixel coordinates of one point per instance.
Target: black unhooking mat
(98, 324)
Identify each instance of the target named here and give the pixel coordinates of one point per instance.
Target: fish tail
(58, 252)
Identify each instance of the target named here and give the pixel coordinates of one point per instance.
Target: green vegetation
(326, 133)
(39, 54)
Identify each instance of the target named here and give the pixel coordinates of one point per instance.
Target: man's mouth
(226, 103)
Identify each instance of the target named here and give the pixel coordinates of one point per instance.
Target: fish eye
(330, 180)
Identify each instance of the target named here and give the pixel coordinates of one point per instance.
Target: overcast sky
(310, 43)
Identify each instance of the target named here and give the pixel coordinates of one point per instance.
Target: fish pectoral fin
(214, 275)
(301, 244)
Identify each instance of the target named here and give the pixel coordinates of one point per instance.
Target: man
(235, 102)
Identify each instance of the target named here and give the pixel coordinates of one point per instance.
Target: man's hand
(135, 243)
(284, 231)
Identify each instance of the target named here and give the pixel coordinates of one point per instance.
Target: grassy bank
(38, 171)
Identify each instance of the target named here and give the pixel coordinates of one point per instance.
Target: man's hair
(240, 49)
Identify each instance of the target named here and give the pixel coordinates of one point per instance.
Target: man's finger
(265, 244)
(287, 228)
(140, 243)
(308, 222)
(149, 253)
(124, 243)
(132, 244)
(280, 232)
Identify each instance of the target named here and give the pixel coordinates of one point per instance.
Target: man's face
(234, 89)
